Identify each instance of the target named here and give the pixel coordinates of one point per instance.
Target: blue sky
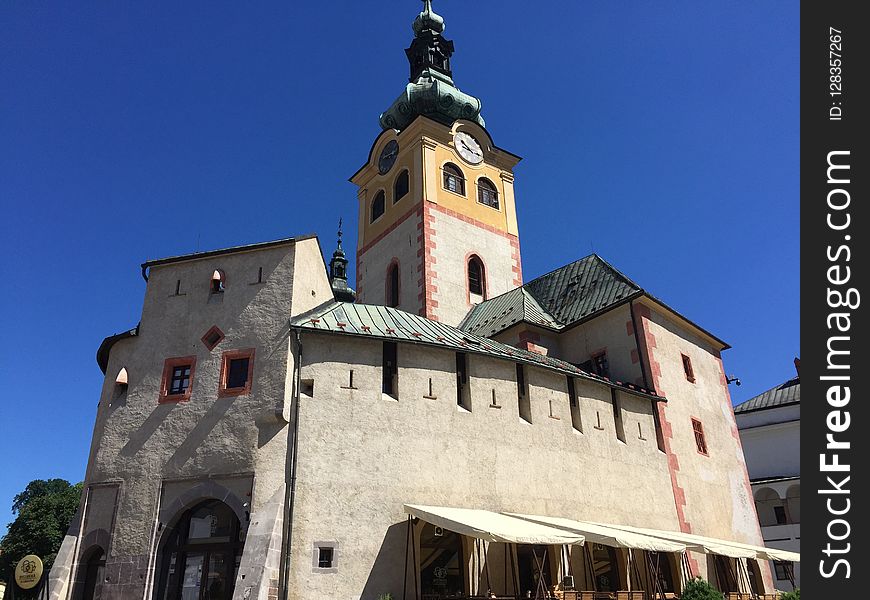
(664, 136)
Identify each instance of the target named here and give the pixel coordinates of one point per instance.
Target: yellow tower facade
(437, 220)
(437, 215)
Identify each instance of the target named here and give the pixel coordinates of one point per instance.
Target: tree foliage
(795, 595)
(43, 514)
(698, 589)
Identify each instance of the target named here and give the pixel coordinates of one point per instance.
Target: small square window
(177, 379)
(700, 440)
(237, 370)
(601, 364)
(324, 557)
(687, 369)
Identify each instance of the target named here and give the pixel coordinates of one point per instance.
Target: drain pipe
(290, 493)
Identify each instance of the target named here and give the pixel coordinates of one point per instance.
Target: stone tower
(437, 218)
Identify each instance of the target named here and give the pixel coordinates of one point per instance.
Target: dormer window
(486, 193)
(218, 282)
(454, 180)
(378, 206)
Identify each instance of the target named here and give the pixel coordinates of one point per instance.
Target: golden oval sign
(28, 572)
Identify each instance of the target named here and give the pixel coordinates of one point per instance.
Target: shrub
(698, 589)
(795, 595)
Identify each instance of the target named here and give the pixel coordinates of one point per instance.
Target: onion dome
(430, 91)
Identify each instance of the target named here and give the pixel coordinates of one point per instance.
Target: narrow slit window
(700, 440)
(574, 405)
(617, 416)
(390, 370)
(393, 286)
(523, 400)
(463, 397)
(687, 368)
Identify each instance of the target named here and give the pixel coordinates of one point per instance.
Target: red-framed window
(687, 368)
(177, 381)
(700, 440)
(237, 372)
(212, 337)
(600, 364)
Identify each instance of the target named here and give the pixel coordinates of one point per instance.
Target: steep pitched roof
(782, 395)
(383, 322)
(555, 300)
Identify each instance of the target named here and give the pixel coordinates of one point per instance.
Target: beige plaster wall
(158, 455)
(718, 501)
(454, 240)
(401, 245)
(363, 454)
(611, 332)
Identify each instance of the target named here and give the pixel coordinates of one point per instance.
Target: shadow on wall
(386, 574)
(144, 433)
(203, 427)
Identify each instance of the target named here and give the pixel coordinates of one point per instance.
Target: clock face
(388, 157)
(468, 148)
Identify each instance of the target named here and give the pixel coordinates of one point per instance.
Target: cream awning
(607, 535)
(492, 526)
(709, 545)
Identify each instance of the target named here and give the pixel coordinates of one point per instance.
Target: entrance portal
(201, 558)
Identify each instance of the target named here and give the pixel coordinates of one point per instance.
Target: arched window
(218, 282)
(200, 558)
(402, 186)
(393, 285)
(476, 277)
(378, 206)
(486, 193)
(454, 180)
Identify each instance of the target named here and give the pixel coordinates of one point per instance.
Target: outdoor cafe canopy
(492, 526)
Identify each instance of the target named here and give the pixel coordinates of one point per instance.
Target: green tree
(698, 589)
(795, 595)
(43, 514)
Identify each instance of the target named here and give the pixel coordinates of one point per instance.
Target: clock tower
(437, 217)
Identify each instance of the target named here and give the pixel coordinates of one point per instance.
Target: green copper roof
(555, 300)
(382, 322)
(431, 91)
(562, 298)
(782, 395)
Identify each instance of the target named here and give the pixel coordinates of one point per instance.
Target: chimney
(797, 366)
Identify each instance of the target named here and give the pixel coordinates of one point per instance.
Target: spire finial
(338, 271)
(428, 20)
